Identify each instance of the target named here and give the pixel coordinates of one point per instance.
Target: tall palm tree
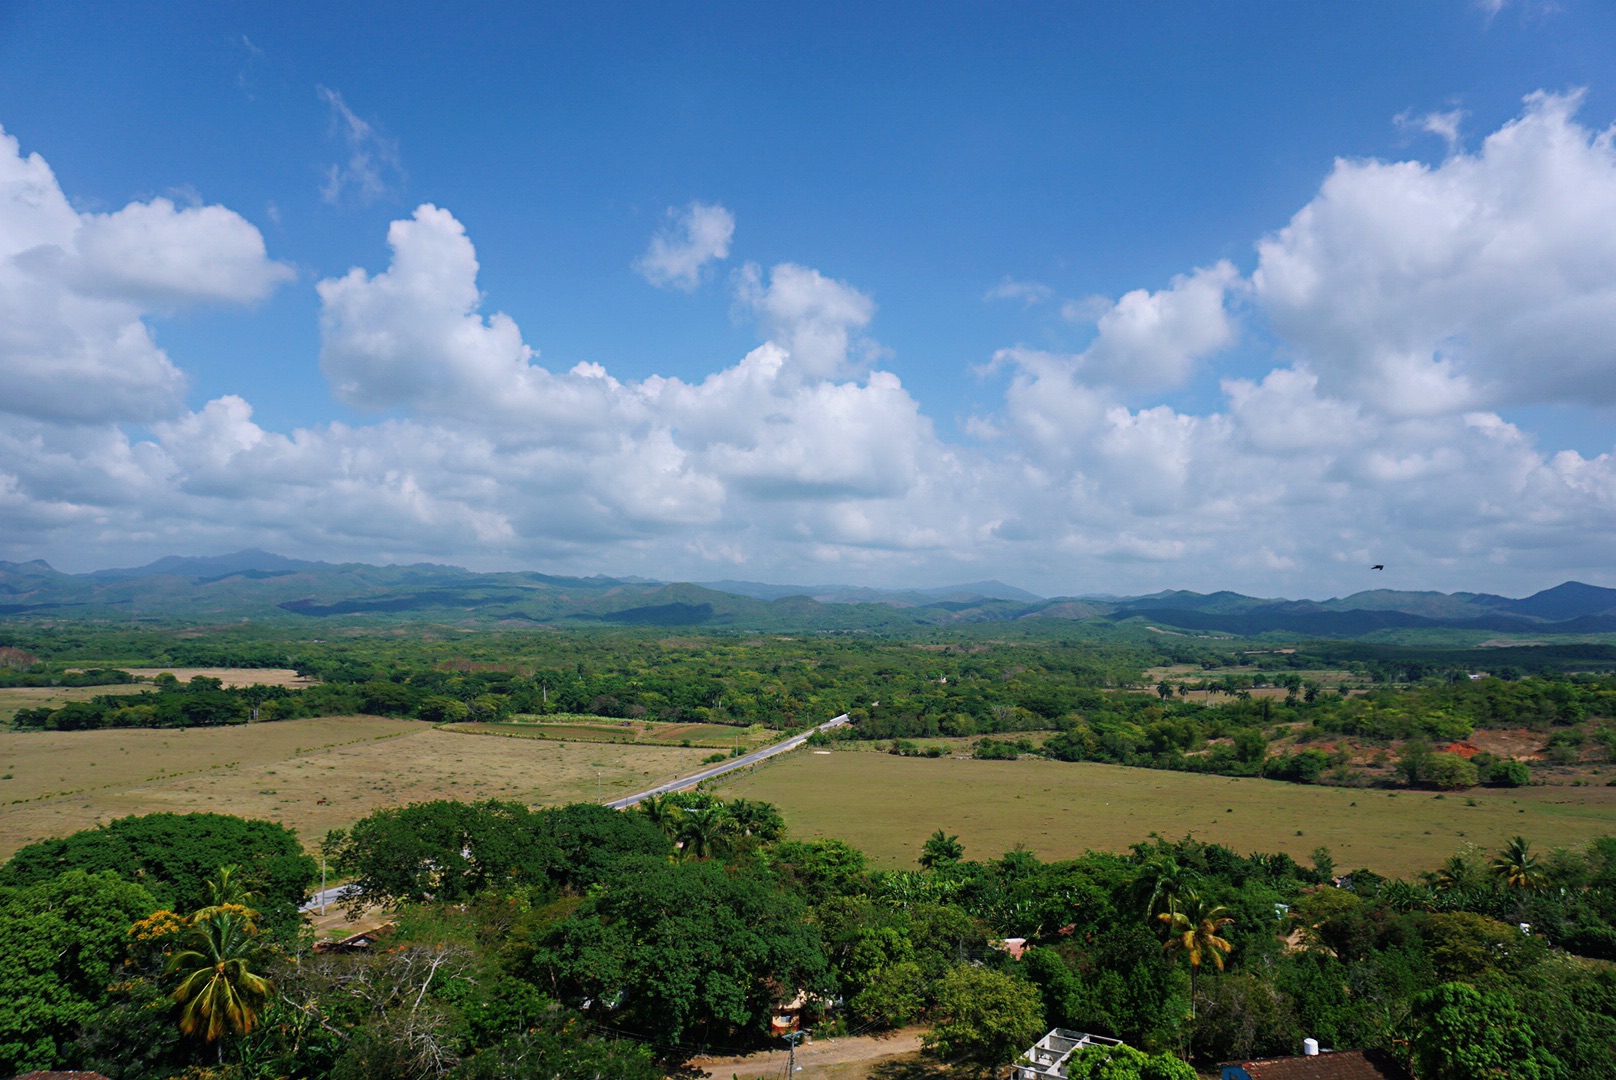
(1162, 881)
(1192, 926)
(1458, 872)
(218, 991)
(660, 811)
(756, 818)
(227, 891)
(703, 832)
(1517, 867)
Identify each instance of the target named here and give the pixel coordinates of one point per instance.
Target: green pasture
(888, 805)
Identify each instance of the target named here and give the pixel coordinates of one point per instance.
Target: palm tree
(228, 892)
(703, 832)
(941, 850)
(756, 818)
(1458, 872)
(1400, 895)
(660, 811)
(218, 992)
(1193, 927)
(1162, 881)
(1517, 867)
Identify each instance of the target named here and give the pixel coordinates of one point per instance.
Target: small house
(1014, 947)
(1314, 1064)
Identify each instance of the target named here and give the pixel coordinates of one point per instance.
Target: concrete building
(1047, 1058)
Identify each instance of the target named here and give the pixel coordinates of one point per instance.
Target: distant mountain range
(262, 585)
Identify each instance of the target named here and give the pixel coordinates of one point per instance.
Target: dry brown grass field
(894, 1054)
(313, 775)
(888, 805)
(230, 676)
(14, 698)
(578, 728)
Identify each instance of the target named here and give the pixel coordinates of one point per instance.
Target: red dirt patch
(1516, 743)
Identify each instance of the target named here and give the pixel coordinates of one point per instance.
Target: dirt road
(815, 1058)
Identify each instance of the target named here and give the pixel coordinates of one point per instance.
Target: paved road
(729, 766)
(336, 893)
(333, 895)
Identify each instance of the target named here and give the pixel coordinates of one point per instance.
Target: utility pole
(792, 1038)
(322, 883)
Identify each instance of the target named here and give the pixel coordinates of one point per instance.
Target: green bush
(1508, 773)
(1450, 772)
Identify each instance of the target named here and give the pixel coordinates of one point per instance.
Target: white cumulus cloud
(815, 319)
(1409, 303)
(1151, 340)
(680, 252)
(1486, 281)
(75, 290)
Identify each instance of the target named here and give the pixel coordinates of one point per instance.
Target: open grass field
(231, 676)
(578, 728)
(888, 806)
(15, 698)
(313, 775)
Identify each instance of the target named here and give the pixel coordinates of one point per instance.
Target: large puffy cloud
(413, 335)
(75, 288)
(1289, 486)
(1488, 280)
(803, 458)
(1151, 340)
(158, 256)
(654, 454)
(814, 318)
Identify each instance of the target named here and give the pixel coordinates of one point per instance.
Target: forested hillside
(267, 587)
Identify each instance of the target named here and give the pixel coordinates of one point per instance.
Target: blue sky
(945, 291)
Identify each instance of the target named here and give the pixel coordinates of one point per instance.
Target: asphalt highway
(336, 893)
(729, 766)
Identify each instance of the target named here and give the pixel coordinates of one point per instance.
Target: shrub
(1450, 772)
(1507, 773)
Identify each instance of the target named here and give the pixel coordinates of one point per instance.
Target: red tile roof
(1333, 1065)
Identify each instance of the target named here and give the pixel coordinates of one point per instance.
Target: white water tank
(1310, 1047)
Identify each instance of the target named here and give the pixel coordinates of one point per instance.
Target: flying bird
(1378, 566)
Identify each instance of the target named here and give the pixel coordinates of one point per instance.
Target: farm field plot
(888, 805)
(312, 774)
(231, 676)
(15, 698)
(576, 728)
